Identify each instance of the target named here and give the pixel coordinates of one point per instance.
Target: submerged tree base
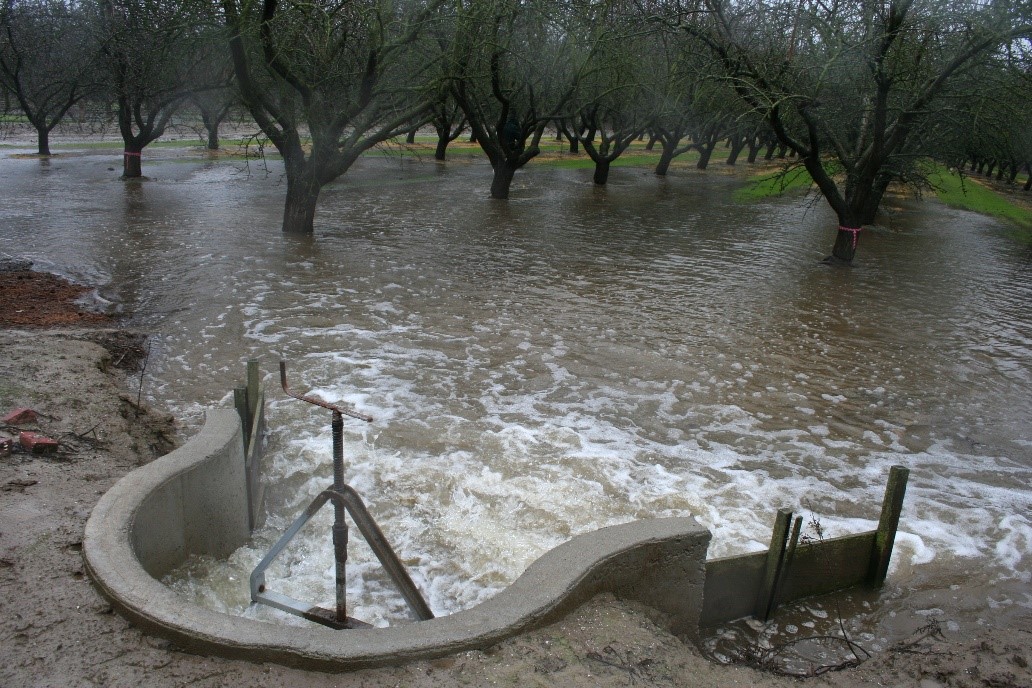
(835, 261)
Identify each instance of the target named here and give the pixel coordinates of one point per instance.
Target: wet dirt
(34, 300)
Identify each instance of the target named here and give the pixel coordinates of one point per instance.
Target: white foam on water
(528, 386)
(506, 486)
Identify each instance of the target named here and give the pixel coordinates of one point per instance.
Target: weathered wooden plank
(892, 507)
(253, 384)
(726, 579)
(772, 569)
(828, 565)
(242, 409)
(816, 569)
(790, 550)
(255, 455)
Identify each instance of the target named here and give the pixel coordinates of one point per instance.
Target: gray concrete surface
(192, 501)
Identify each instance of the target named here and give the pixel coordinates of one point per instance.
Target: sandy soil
(55, 630)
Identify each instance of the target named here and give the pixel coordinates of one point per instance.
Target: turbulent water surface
(572, 358)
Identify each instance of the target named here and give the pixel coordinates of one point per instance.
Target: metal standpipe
(345, 500)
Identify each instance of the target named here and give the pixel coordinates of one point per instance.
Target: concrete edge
(659, 562)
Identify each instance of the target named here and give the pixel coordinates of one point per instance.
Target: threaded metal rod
(337, 426)
(340, 527)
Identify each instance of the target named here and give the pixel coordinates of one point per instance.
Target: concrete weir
(194, 501)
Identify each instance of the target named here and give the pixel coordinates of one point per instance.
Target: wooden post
(765, 599)
(249, 402)
(253, 384)
(790, 548)
(892, 506)
(241, 405)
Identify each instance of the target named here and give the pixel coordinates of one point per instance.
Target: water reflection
(572, 358)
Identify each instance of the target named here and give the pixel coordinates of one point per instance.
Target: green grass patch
(966, 193)
(651, 158)
(553, 153)
(573, 162)
(637, 157)
(768, 185)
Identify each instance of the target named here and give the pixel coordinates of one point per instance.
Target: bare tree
(674, 71)
(155, 55)
(448, 121)
(514, 68)
(214, 106)
(611, 104)
(848, 86)
(47, 54)
(327, 82)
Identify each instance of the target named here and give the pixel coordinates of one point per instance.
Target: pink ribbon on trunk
(852, 230)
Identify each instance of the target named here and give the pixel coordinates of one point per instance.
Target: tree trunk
(601, 172)
(132, 164)
(754, 150)
(664, 159)
(1028, 182)
(442, 147)
(43, 139)
(652, 144)
(503, 174)
(302, 197)
(845, 244)
(704, 155)
(211, 125)
(574, 145)
(737, 145)
(857, 207)
(411, 136)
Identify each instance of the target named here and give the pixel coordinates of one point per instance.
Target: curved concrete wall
(193, 501)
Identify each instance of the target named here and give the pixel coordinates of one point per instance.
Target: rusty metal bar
(317, 402)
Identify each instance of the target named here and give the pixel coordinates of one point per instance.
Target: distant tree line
(862, 93)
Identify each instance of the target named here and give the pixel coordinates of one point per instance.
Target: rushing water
(572, 358)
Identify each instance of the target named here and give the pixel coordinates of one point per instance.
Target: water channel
(572, 358)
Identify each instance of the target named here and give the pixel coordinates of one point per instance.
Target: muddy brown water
(573, 358)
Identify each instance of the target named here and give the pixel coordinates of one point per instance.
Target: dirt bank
(57, 631)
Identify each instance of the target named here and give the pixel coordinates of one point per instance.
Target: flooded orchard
(573, 358)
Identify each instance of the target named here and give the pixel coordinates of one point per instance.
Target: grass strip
(966, 193)
(795, 180)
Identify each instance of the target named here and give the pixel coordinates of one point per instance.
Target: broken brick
(19, 416)
(36, 443)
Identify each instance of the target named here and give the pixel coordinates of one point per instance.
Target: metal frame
(345, 499)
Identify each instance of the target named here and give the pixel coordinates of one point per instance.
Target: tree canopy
(861, 92)
(855, 88)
